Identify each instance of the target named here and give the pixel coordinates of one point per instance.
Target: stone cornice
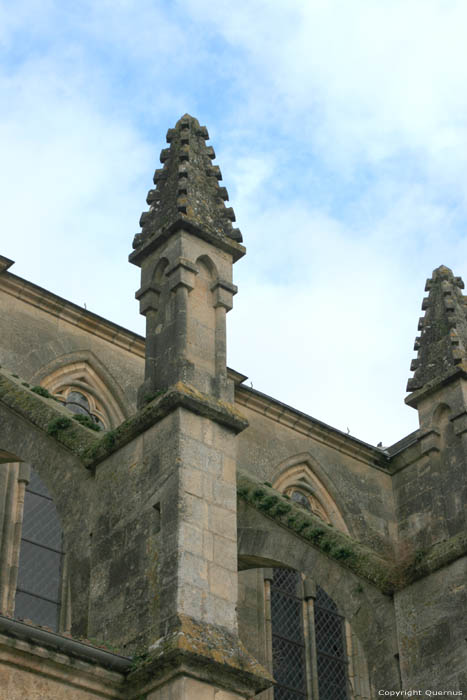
(236, 250)
(74, 648)
(311, 427)
(71, 313)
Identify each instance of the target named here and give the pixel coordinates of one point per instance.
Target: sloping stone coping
(92, 447)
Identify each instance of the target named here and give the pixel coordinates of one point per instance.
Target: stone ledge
(41, 659)
(42, 412)
(85, 443)
(388, 575)
(459, 371)
(179, 396)
(438, 556)
(236, 250)
(204, 651)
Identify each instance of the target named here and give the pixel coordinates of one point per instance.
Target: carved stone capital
(148, 296)
(459, 423)
(429, 441)
(223, 292)
(181, 274)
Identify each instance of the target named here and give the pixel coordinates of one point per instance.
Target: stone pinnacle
(187, 192)
(442, 343)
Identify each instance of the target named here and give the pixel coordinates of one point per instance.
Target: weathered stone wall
(36, 339)
(30, 671)
(432, 630)
(430, 483)
(361, 490)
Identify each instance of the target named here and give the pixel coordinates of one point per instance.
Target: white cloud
(341, 130)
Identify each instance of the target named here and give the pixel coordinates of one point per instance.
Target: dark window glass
(78, 403)
(288, 646)
(39, 573)
(77, 398)
(40, 522)
(300, 498)
(40, 611)
(330, 645)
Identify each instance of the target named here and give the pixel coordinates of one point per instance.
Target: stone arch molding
(302, 472)
(84, 371)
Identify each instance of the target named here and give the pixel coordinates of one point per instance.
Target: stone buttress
(186, 250)
(431, 492)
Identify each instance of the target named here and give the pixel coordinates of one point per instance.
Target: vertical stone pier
(186, 251)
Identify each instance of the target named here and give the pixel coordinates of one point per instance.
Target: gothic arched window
(306, 659)
(288, 645)
(77, 402)
(38, 590)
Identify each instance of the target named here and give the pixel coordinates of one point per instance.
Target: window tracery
(103, 405)
(307, 500)
(81, 403)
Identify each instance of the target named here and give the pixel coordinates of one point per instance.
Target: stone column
(14, 476)
(268, 576)
(309, 594)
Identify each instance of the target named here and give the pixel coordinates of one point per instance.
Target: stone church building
(169, 533)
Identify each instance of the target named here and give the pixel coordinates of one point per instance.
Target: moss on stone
(87, 421)
(41, 412)
(333, 543)
(41, 391)
(58, 424)
(180, 395)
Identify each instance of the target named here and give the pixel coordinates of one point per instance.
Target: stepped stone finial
(442, 345)
(187, 192)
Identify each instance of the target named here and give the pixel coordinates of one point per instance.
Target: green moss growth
(282, 508)
(147, 398)
(87, 421)
(15, 375)
(333, 543)
(42, 392)
(267, 483)
(267, 502)
(108, 441)
(25, 384)
(58, 424)
(342, 552)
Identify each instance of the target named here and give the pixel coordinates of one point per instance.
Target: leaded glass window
(40, 562)
(330, 646)
(77, 402)
(288, 646)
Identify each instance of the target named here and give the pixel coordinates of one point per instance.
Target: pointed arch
(204, 261)
(84, 371)
(263, 543)
(304, 473)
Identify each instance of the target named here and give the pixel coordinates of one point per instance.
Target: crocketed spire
(187, 190)
(443, 340)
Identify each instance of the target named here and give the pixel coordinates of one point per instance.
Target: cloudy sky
(341, 132)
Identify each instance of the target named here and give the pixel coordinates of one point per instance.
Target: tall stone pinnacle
(442, 345)
(187, 193)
